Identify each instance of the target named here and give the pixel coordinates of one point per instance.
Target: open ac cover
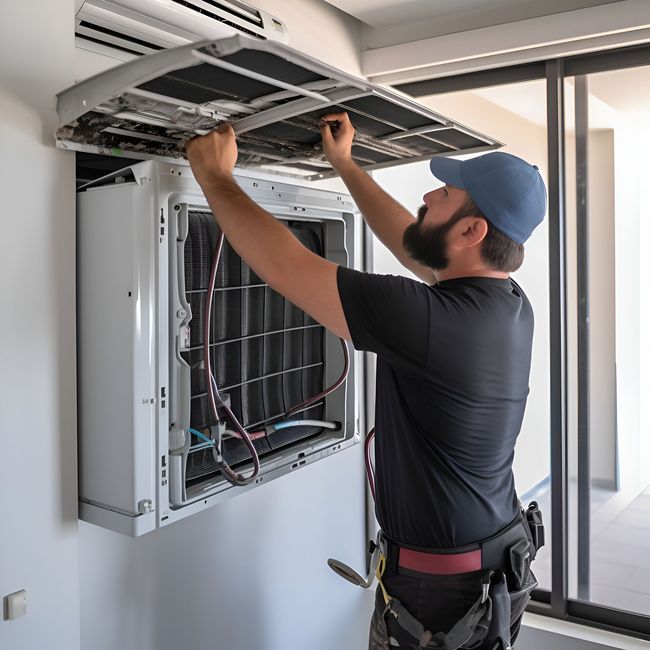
(273, 95)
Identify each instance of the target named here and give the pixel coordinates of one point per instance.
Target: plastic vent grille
(105, 36)
(266, 354)
(234, 8)
(221, 19)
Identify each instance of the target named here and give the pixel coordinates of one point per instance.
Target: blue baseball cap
(509, 191)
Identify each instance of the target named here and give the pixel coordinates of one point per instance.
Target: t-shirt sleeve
(387, 314)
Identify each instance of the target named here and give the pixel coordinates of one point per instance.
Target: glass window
(607, 166)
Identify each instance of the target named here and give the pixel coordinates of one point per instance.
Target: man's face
(426, 240)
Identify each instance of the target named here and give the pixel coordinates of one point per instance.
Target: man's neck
(477, 272)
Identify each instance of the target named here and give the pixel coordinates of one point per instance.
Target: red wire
(213, 390)
(327, 391)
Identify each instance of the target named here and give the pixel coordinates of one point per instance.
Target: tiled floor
(620, 552)
(620, 560)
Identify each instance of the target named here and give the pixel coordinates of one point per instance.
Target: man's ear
(474, 231)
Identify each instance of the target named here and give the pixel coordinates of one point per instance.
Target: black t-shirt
(453, 363)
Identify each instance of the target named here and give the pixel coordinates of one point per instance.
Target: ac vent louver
(233, 8)
(221, 19)
(104, 36)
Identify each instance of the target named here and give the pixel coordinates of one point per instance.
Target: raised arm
(267, 246)
(386, 217)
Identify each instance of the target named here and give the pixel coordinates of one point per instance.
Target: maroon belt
(439, 563)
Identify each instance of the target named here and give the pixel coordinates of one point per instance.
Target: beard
(428, 245)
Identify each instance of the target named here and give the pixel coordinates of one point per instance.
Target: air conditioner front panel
(118, 306)
(274, 97)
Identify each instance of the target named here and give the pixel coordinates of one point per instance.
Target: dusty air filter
(272, 94)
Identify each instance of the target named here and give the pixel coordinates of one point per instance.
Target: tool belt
(511, 550)
(502, 562)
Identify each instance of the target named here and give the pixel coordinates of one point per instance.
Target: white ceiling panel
(387, 13)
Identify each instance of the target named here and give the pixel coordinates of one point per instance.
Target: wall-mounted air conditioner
(150, 450)
(145, 26)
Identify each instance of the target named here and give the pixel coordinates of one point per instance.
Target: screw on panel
(177, 207)
(144, 506)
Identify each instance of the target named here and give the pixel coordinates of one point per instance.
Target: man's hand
(213, 156)
(337, 134)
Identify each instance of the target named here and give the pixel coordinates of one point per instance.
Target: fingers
(343, 118)
(325, 131)
(336, 127)
(226, 128)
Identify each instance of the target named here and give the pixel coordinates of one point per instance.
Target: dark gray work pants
(438, 602)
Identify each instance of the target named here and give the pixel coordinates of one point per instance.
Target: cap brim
(447, 170)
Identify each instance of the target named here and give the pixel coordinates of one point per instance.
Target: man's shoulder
(410, 285)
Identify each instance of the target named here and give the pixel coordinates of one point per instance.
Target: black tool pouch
(521, 555)
(499, 632)
(535, 525)
(519, 598)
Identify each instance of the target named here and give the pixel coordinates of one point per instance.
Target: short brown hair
(497, 250)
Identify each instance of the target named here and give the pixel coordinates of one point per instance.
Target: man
(453, 363)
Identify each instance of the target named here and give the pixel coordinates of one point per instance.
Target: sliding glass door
(587, 429)
(607, 144)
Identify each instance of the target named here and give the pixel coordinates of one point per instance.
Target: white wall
(644, 307)
(38, 534)
(630, 188)
(602, 309)
(249, 573)
(320, 30)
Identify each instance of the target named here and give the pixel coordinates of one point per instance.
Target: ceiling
(625, 91)
(380, 14)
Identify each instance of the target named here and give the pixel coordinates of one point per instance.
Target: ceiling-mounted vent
(145, 26)
(273, 96)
